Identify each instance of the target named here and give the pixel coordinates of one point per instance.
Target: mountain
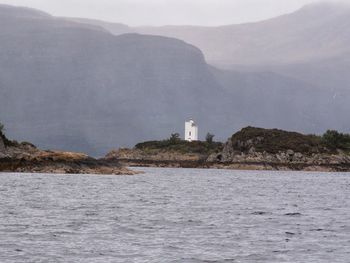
(73, 86)
(114, 28)
(311, 44)
(316, 31)
(271, 100)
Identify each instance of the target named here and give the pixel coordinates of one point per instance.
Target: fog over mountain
(316, 31)
(309, 42)
(71, 84)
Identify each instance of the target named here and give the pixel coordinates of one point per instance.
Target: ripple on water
(175, 215)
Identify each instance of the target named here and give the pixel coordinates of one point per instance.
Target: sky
(168, 12)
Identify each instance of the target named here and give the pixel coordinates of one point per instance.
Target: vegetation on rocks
(175, 144)
(6, 141)
(25, 157)
(274, 141)
(336, 140)
(12, 143)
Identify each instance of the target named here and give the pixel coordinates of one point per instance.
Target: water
(175, 215)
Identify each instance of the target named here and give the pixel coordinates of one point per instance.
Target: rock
(298, 157)
(25, 157)
(228, 152)
(252, 150)
(290, 153)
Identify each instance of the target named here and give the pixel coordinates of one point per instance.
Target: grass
(180, 146)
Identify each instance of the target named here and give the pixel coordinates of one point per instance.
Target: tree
(2, 135)
(336, 140)
(174, 138)
(209, 138)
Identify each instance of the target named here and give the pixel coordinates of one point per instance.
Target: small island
(249, 149)
(26, 158)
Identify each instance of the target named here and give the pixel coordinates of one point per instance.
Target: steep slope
(271, 100)
(114, 28)
(64, 86)
(71, 86)
(317, 31)
(311, 44)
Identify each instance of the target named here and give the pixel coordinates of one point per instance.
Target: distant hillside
(311, 45)
(317, 31)
(74, 86)
(305, 50)
(114, 28)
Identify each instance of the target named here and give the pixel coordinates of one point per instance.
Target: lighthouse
(191, 131)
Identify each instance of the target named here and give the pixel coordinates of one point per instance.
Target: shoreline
(251, 166)
(47, 166)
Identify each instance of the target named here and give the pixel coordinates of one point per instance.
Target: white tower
(191, 131)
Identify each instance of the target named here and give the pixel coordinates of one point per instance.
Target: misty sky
(165, 12)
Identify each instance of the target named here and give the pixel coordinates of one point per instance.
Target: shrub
(175, 144)
(336, 140)
(6, 141)
(274, 140)
(174, 138)
(209, 138)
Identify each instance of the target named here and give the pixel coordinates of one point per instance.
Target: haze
(167, 12)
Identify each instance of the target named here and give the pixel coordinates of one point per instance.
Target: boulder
(228, 152)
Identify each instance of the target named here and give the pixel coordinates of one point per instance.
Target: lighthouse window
(190, 133)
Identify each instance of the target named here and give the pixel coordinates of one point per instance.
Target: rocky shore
(324, 163)
(26, 158)
(249, 149)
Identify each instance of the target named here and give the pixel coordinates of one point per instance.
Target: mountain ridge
(71, 86)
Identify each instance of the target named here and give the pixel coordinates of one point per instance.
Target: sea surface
(175, 215)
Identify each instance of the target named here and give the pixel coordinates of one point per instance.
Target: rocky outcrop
(269, 149)
(249, 149)
(25, 157)
(142, 155)
(155, 158)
